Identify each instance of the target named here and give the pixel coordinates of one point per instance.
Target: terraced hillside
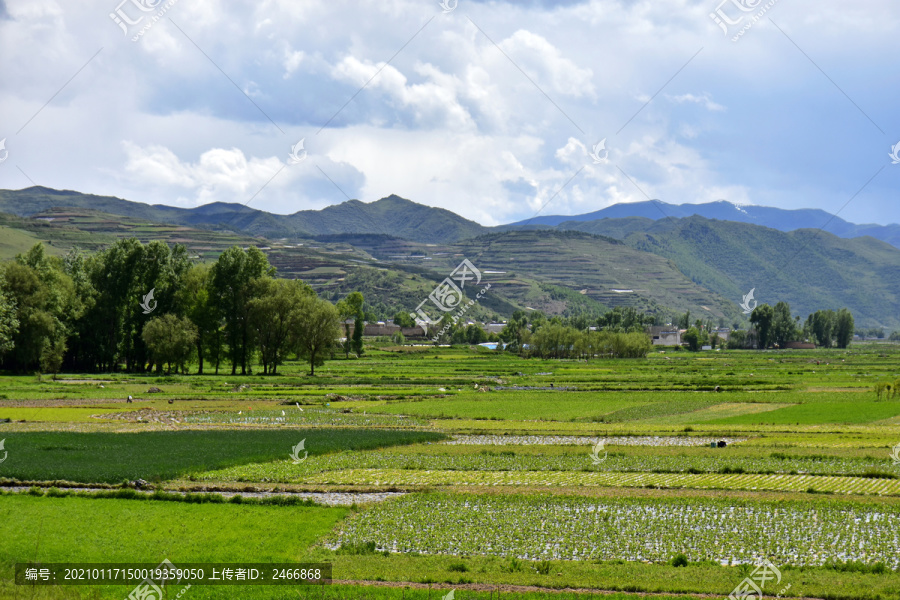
(807, 268)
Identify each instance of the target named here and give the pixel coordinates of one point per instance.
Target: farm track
(343, 498)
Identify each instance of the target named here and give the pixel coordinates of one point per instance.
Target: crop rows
(291, 415)
(786, 483)
(583, 440)
(572, 462)
(541, 528)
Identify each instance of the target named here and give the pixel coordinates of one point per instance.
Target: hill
(394, 215)
(561, 272)
(677, 263)
(766, 216)
(808, 268)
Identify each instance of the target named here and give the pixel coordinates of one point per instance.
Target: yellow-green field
(547, 475)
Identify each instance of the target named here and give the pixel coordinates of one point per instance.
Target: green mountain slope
(808, 268)
(392, 215)
(561, 272)
(766, 216)
(691, 263)
(17, 241)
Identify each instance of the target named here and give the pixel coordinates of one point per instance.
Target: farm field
(530, 478)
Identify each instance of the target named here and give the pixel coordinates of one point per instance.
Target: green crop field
(491, 474)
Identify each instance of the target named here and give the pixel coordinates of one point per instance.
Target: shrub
(543, 567)
(357, 549)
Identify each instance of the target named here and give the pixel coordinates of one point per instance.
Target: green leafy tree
(349, 308)
(737, 339)
(81, 353)
(233, 277)
(784, 328)
(273, 315)
(822, 325)
(170, 340)
(475, 334)
(515, 332)
(194, 301)
(116, 296)
(624, 320)
(444, 329)
(536, 320)
(44, 302)
(52, 355)
(121, 279)
(356, 343)
(762, 318)
(403, 319)
(692, 338)
(843, 329)
(316, 330)
(9, 324)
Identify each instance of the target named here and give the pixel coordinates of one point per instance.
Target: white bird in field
(282, 413)
(240, 412)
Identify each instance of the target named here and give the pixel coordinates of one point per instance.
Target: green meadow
(520, 478)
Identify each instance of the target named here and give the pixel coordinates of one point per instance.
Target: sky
(495, 110)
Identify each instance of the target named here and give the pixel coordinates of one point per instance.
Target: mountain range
(766, 216)
(650, 255)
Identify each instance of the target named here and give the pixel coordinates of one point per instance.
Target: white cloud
(219, 175)
(545, 63)
(703, 99)
(292, 60)
(451, 121)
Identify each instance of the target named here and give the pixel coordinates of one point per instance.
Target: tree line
(776, 326)
(149, 306)
(618, 333)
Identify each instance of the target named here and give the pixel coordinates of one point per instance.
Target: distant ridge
(399, 217)
(722, 210)
(392, 215)
(701, 263)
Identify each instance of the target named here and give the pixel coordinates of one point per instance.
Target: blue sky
(490, 109)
